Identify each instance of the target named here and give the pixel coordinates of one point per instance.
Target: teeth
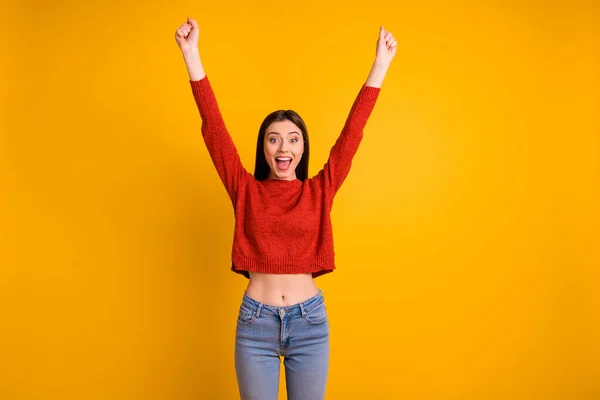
(283, 159)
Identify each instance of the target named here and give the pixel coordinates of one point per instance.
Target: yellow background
(467, 234)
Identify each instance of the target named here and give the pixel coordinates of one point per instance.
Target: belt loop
(258, 310)
(302, 310)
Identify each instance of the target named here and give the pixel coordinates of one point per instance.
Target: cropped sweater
(281, 226)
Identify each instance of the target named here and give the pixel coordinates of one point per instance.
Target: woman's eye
(294, 140)
(272, 140)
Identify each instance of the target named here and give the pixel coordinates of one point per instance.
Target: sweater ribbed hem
(316, 266)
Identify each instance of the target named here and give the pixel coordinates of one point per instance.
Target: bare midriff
(281, 290)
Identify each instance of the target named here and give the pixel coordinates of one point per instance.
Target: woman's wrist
(377, 74)
(190, 53)
(379, 63)
(193, 64)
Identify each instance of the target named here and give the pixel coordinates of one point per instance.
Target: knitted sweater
(281, 226)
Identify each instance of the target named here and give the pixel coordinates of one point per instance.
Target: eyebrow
(289, 133)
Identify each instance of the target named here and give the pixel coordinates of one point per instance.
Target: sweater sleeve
(217, 139)
(338, 165)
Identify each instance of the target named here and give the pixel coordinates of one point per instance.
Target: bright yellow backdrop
(467, 234)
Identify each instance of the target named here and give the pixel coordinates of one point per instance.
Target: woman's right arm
(216, 137)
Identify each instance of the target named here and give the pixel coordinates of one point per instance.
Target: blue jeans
(299, 333)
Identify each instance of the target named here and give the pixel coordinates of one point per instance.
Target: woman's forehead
(283, 127)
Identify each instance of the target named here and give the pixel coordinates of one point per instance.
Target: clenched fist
(386, 46)
(187, 35)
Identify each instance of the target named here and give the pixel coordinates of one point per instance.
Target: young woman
(283, 235)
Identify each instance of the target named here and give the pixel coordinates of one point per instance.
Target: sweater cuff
(200, 86)
(370, 92)
(204, 96)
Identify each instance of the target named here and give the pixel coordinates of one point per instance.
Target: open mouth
(283, 163)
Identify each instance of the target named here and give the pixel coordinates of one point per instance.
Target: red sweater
(281, 227)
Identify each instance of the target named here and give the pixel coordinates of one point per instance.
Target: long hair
(261, 168)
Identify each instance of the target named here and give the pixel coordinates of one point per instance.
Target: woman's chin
(277, 173)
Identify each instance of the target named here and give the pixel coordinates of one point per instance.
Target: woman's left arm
(338, 165)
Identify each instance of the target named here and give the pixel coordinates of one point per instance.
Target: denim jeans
(299, 333)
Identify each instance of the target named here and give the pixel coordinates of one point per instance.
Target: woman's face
(284, 147)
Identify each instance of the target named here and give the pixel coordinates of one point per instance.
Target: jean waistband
(301, 307)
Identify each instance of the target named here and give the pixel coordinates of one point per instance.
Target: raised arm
(216, 137)
(340, 157)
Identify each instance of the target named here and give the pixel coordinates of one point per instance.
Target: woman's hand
(386, 47)
(386, 50)
(187, 36)
(187, 40)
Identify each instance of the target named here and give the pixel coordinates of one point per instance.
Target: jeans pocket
(317, 315)
(246, 316)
